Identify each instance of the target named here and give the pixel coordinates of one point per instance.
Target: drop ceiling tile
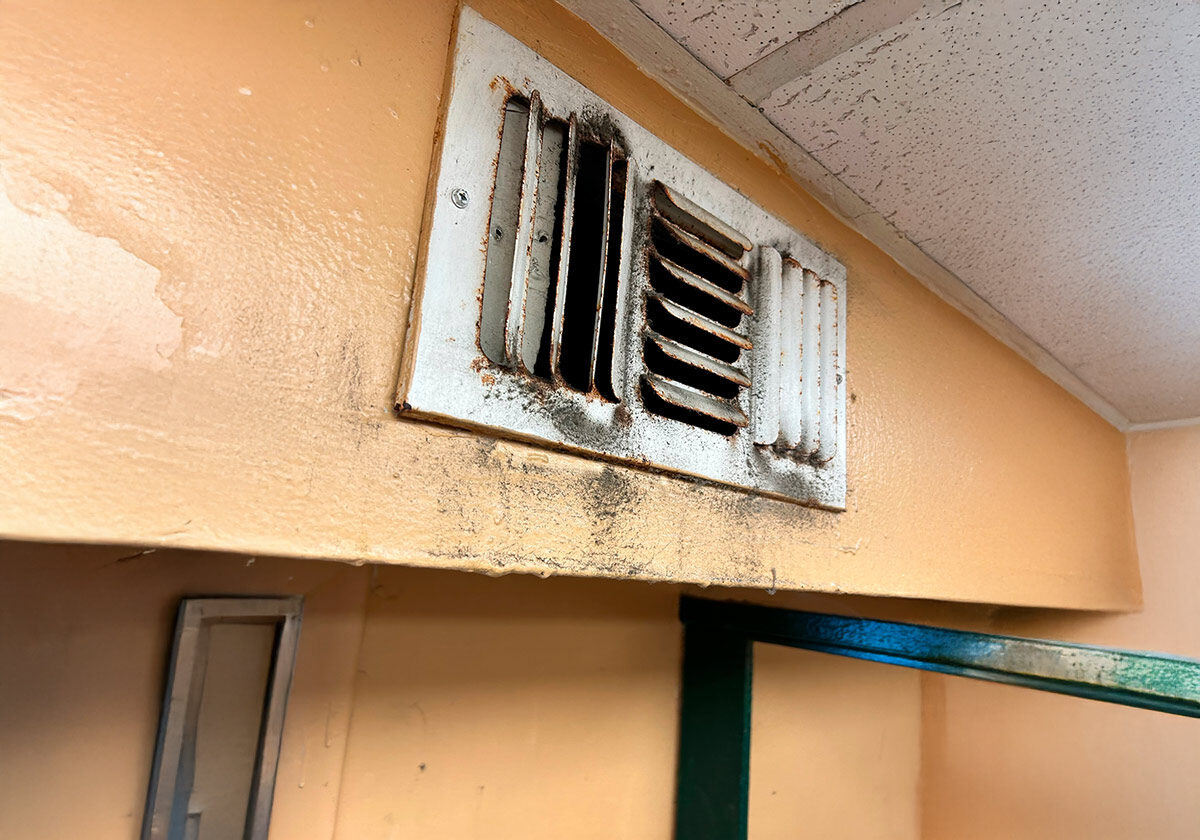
(1047, 155)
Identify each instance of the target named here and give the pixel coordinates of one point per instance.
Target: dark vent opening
(668, 326)
(541, 366)
(585, 266)
(657, 405)
(702, 380)
(684, 254)
(612, 273)
(693, 218)
(694, 299)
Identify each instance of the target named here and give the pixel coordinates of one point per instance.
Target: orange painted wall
(426, 703)
(85, 635)
(1001, 762)
(836, 746)
(209, 225)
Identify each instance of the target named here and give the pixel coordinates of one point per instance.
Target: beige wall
(209, 225)
(427, 704)
(835, 751)
(85, 634)
(1002, 762)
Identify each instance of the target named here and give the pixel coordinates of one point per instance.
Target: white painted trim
(1159, 425)
(828, 39)
(661, 57)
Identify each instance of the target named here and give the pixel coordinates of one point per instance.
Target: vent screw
(460, 197)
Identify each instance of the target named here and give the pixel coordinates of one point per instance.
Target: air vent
(585, 285)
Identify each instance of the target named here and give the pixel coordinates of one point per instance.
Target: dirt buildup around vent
(599, 125)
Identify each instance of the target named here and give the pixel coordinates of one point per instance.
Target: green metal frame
(713, 784)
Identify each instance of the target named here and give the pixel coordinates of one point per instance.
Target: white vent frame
(795, 444)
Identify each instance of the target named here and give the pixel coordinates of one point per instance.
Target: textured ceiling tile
(729, 35)
(1046, 153)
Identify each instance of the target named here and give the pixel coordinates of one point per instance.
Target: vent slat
(689, 400)
(543, 254)
(688, 356)
(564, 250)
(502, 230)
(765, 392)
(523, 241)
(791, 342)
(827, 439)
(606, 332)
(690, 242)
(701, 323)
(699, 222)
(701, 285)
(810, 366)
(602, 263)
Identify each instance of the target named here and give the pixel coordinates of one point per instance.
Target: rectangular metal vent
(585, 285)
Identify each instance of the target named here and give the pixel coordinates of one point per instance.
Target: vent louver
(553, 254)
(585, 285)
(696, 315)
(798, 379)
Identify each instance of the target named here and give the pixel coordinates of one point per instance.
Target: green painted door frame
(713, 783)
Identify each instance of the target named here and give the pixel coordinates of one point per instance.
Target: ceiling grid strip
(654, 50)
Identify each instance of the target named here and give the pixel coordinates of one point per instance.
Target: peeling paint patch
(74, 306)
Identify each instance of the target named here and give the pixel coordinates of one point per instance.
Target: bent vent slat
(702, 323)
(687, 356)
(698, 221)
(564, 253)
(701, 285)
(694, 401)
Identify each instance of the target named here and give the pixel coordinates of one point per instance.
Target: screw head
(460, 197)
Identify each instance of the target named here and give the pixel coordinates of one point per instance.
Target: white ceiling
(1047, 153)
